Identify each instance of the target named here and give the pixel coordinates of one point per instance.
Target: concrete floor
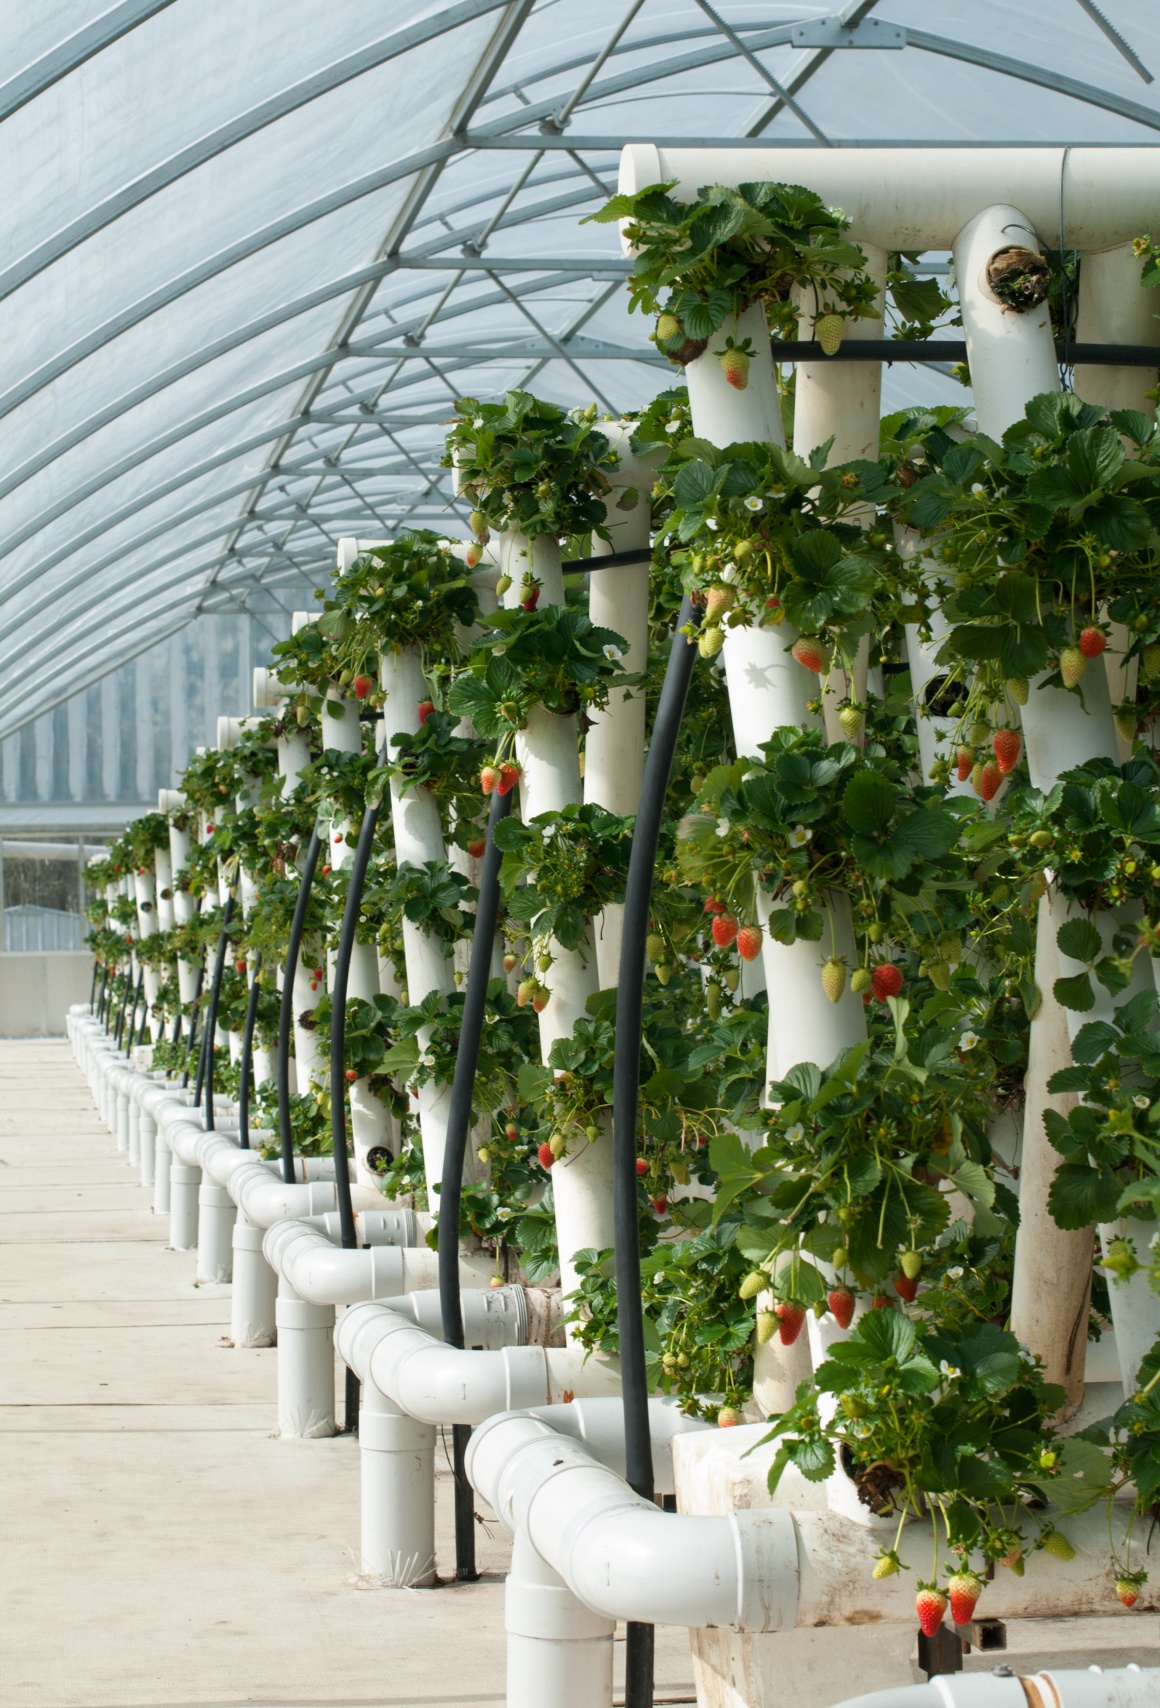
(160, 1545)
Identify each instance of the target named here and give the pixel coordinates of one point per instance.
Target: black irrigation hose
(199, 1081)
(93, 986)
(455, 1150)
(133, 1012)
(246, 1071)
(286, 1013)
(215, 992)
(638, 1688)
(104, 989)
(120, 1032)
(193, 1029)
(346, 942)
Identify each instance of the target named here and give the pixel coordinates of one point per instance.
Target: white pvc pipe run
(1120, 1687)
(921, 198)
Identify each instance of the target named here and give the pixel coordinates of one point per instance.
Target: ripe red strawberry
(1007, 745)
(724, 930)
(642, 1165)
(834, 978)
(546, 1155)
(488, 778)
(1092, 641)
(712, 905)
(735, 367)
(511, 1130)
(964, 1589)
(529, 595)
(508, 778)
(810, 653)
(476, 849)
(790, 1317)
(886, 980)
(659, 1204)
(426, 707)
(989, 780)
(880, 1302)
(1071, 665)
(749, 942)
(362, 687)
(240, 965)
(906, 1289)
(351, 1076)
(1128, 1590)
(841, 1303)
(930, 1604)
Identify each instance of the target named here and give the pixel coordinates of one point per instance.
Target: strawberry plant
(554, 657)
(530, 466)
(561, 869)
(701, 263)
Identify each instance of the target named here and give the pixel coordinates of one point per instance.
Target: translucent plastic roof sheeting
(253, 251)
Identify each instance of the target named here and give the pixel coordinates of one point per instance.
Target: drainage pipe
(1118, 1687)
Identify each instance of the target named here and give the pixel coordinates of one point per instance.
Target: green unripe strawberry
(502, 585)
(834, 978)
(719, 599)
(1150, 661)
(912, 1264)
(754, 1283)
(860, 980)
(1018, 688)
(710, 641)
(713, 999)
(1072, 664)
(477, 522)
(828, 330)
(654, 946)
(664, 973)
(766, 1327)
(853, 722)
(668, 326)
(1057, 1544)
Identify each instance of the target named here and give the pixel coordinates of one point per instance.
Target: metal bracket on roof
(831, 32)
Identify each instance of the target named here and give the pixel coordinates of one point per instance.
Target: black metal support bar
(890, 350)
(286, 1013)
(119, 1031)
(246, 1071)
(199, 1080)
(136, 1003)
(625, 1095)
(455, 1150)
(215, 992)
(104, 990)
(93, 987)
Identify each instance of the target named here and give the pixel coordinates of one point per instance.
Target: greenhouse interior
(580, 1115)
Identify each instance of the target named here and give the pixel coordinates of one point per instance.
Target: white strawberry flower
(613, 653)
(711, 524)
(968, 1040)
(950, 1371)
(977, 489)
(1141, 1101)
(754, 505)
(796, 1133)
(800, 835)
(673, 426)
(955, 1274)
(722, 827)
(549, 831)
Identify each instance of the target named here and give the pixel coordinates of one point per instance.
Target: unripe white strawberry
(828, 329)
(1071, 665)
(834, 978)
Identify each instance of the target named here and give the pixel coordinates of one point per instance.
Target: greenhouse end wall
(37, 988)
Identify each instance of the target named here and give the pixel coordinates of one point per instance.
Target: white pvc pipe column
(1012, 359)
(614, 747)
(547, 750)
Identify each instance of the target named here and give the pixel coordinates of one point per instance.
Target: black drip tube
(286, 1013)
(346, 942)
(246, 1071)
(638, 1692)
(455, 1150)
(132, 1034)
(193, 1032)
(215, 992)
(104, 989)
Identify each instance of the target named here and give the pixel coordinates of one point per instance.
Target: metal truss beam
(237, 130)
(72, 53)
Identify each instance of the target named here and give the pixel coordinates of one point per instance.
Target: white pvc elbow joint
(619, 1553)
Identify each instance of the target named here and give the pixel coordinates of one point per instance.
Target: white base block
(254, 1294)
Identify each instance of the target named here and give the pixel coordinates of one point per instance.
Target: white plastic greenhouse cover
(255, 248)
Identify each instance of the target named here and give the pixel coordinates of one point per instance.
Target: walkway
(160, 1545)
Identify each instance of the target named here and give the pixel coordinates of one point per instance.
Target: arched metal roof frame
(379, 365)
